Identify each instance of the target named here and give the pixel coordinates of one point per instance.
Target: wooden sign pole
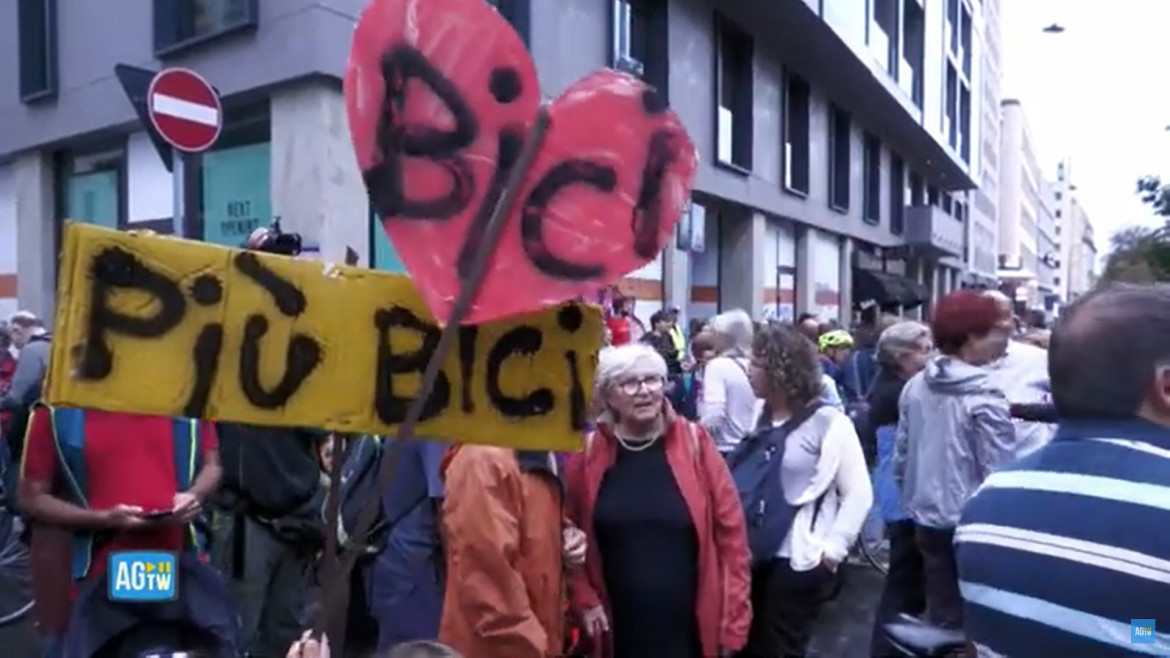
(331, 618)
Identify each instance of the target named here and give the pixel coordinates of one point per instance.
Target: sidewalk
(846, 622)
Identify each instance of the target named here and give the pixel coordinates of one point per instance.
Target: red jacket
(723, 605)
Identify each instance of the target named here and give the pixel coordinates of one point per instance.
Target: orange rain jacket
(502, 538)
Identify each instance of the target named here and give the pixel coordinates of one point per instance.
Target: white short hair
(898, 340)
(634, 359)
(736, 325)
(26, 319)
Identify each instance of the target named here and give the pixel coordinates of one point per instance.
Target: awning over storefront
(886, 289)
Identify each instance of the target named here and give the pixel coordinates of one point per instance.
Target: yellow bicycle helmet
(835, 339)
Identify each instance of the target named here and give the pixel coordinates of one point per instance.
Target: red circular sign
(185, 110)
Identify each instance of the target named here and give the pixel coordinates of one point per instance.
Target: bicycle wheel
(16, 600)
(873, 544)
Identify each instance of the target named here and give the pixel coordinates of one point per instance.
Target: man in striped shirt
(1059, 551)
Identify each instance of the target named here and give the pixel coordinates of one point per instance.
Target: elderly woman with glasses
(666, 571)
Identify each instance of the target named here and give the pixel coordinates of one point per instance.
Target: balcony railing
(934, 232)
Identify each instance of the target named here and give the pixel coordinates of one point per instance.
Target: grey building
(983, 243)
(836, 138)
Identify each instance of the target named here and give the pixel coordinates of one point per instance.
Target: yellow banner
(158, 325)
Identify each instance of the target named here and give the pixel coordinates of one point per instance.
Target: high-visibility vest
(69, 434)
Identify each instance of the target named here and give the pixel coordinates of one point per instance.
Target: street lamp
(1055, 28)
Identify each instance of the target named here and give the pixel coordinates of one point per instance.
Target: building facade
(1075, 238)
(1022, 208)
(983, 230)
(1047, 249)
(836, 138)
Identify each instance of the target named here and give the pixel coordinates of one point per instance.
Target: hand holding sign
(441, 96)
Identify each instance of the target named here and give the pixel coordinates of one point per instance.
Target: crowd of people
(727, 475)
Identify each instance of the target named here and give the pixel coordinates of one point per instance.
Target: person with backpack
(667, 566)
(268, 524)
(406, 575)
(30, 337)
(118, 482)
(268, 527)
(805, 491)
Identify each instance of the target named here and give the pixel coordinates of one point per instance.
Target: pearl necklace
(636, 447)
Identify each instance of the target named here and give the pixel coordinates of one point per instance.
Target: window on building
(639, 41)
(1058, 215)
(93, 183)
(952, 25)
(897, 194)
(917, 190)
(950, 117)
(910, 77)
(932, 197)
(884, 37)
(236, 179)
(796, 135)
(36, 27)
(964, 124)
(872, 196)
(733, 121)
(839, 129)
(1059, 196)
(965, 39)
(179, 24)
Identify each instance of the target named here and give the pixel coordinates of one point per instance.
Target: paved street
(847, 621)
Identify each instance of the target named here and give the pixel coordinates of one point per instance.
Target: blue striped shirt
(1060, 550)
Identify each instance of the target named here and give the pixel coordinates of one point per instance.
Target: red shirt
(619, 330)
(129, 460)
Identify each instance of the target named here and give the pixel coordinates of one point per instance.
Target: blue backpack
(755, 467)
(69, 436)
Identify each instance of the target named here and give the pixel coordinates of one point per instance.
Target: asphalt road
(846, 622)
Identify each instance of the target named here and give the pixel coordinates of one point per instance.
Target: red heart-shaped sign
(441, 95)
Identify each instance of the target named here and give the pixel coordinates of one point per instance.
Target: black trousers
(785, 606)
(944, 603)
(905, 586)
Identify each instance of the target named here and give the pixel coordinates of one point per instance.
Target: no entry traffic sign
(185, 109)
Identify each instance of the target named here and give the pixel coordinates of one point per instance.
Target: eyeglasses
(653, 384)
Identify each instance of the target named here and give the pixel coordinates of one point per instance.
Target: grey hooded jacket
(954, 429)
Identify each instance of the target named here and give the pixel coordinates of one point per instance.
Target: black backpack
(359, 484)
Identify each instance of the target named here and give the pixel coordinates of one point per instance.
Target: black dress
(650, 557)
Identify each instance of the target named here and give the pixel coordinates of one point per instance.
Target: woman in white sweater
(728, 404)
(826, 485)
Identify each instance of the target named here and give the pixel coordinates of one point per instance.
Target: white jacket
(840, 476)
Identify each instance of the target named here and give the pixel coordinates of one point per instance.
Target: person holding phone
(114, 482)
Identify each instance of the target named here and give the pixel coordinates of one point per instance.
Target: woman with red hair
(954, 428)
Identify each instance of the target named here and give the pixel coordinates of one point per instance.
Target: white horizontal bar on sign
(181, 109)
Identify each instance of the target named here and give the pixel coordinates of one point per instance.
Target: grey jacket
(31, 366)
(954, 429)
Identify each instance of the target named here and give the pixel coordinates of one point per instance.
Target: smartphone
(158, 514)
